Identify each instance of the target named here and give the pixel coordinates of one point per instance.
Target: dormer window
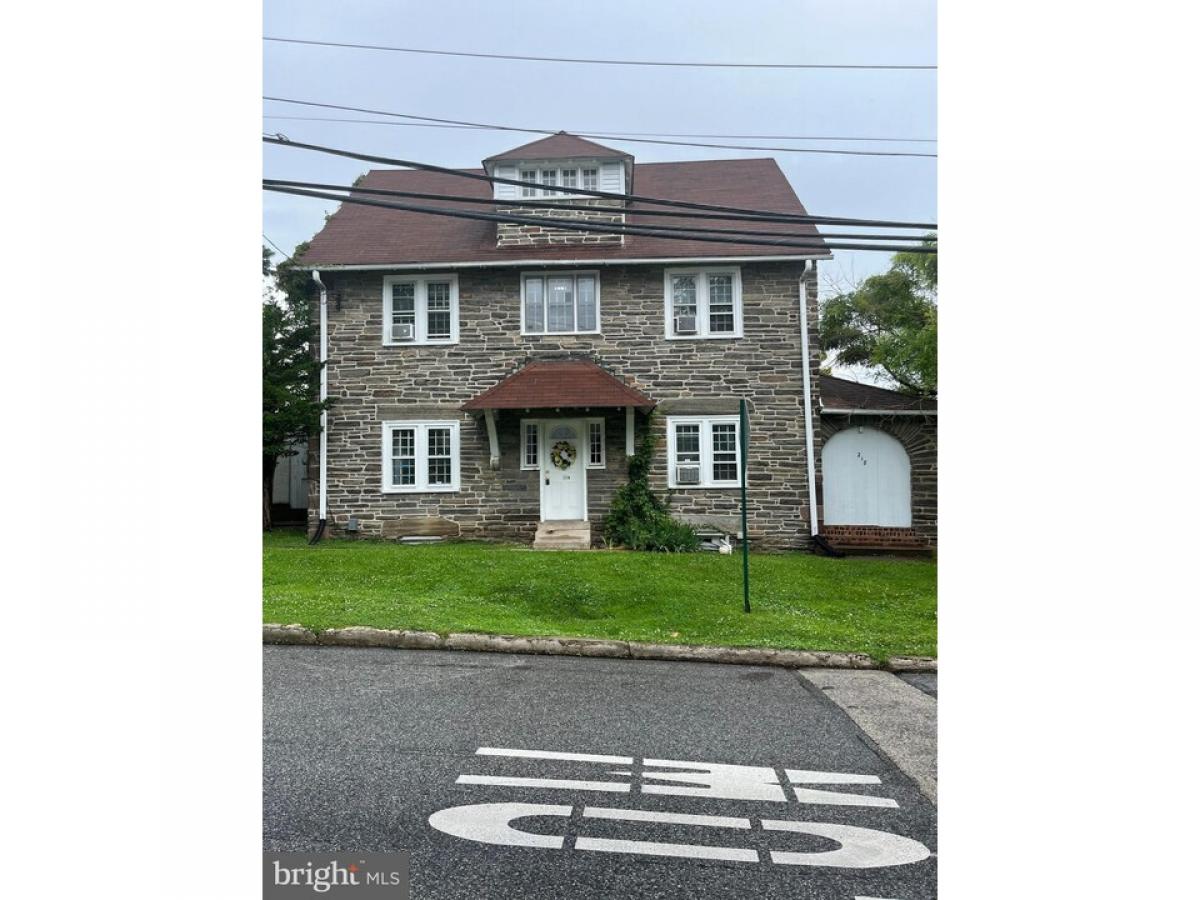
(541, 182)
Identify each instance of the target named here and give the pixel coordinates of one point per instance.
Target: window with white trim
(532, 435)
(558, 182)
(703, 303)
(530, 445)
(420, 457)
(595, 444)
(420, 309)
(560, 303)
(703, 451)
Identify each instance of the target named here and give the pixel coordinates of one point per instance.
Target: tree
(291, 371)
(889, 322)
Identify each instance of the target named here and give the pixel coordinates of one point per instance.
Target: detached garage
(878, 468)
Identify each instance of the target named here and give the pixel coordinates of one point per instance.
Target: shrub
(637, 518)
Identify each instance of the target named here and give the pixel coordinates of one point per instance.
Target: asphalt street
(562, 777)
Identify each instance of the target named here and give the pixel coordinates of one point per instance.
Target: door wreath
(562, 455)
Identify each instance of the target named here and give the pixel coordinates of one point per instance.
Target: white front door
(564, 484)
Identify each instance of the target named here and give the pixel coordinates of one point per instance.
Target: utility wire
(633, 230)
(276, 246)
(310, 185)
(596, 62)
(283, 141)
(621, 134)
(607, 137)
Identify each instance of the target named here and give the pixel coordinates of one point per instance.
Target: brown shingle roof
(369, 235)
(558, 146)
(559, 383)
(839, 393)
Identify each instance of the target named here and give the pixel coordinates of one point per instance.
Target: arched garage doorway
(866, 479)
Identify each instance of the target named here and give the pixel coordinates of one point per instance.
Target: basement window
(420, 457)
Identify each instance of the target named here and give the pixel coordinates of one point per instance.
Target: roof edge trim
(588, 261)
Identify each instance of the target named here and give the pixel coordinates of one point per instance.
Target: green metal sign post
(744, 438)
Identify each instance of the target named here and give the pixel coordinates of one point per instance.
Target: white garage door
(866, 477)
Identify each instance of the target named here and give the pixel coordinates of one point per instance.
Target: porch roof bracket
(489, 417)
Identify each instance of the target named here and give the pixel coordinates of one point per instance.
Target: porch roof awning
(552, 384)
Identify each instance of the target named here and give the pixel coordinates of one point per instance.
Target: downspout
(324, 415)
(810, 456)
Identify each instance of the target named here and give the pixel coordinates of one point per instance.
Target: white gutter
(810, 456)
(324, 392)
(878, 412)
(585, 261)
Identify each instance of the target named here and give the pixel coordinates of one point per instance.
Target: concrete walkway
(900, 718)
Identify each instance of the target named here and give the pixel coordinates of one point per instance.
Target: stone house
(490, 378)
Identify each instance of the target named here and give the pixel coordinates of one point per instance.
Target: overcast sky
(611, 98)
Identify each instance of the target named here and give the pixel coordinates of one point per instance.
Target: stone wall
(918, 435)
(372, 383)
(511, 234)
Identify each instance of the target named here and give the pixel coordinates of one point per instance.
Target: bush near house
(637, 518)
(883, 607)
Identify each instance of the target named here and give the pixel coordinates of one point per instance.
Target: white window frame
(701, 274)
(421, 448)
(706, 451)
(533, 190)
(545, 276)
(421, 307)
(585, 442)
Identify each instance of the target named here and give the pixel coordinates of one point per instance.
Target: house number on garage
(859, 848)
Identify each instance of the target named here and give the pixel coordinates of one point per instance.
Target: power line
(607, 137)
(746, 137)
(454, 198)
(633, 230)
(597, 62)
(283, 141)
(276, 246)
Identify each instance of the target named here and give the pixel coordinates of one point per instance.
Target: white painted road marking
(647, 815)
(564, 784)
(859, 848)
(554, 754)
(653, 848)
(488, 823)
(717, 781)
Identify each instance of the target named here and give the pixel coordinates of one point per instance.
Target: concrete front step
(563, 536)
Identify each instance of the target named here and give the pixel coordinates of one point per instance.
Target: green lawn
(883, 607)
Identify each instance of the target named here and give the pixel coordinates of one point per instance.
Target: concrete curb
(359, 636)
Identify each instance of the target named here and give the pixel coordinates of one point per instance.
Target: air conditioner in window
(685, 324)
(402, 332)
(687, 474)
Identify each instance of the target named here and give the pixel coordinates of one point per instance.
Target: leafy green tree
(889, 322)
(291, 370)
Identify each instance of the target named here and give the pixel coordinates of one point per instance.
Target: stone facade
(918, 436)
(511, 234)
(372, 383)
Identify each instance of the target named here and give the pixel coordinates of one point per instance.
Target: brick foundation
(874, 537)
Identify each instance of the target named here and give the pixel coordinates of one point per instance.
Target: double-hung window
(420, 457)
(703, 451)
(703, 303)
(560, 303)
(420, 310)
